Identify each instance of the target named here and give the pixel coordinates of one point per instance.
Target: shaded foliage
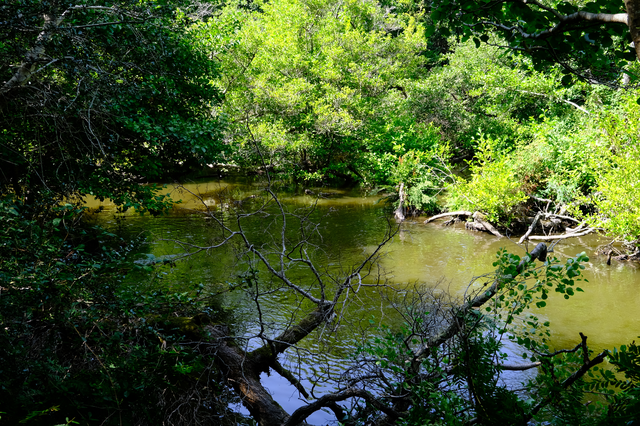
(77, 344)
(111, 95)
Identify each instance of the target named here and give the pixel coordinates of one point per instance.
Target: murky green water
(351, 225)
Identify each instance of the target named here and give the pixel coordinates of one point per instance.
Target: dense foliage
(487, 107)
(78, 345)
(323, 89)
(589, 40)
(99, 97)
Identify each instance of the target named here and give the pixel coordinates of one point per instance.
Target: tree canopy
(98, 97)
(593, 40)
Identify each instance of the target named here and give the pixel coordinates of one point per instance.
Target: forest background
(506, 108)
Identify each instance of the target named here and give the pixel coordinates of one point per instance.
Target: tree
(323, 88)
(591, 40)
(97, 98)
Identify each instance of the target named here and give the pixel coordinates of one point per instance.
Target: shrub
(493, 188)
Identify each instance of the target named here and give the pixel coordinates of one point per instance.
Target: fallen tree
(481, 224)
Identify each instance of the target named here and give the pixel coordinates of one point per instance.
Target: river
(352, 224)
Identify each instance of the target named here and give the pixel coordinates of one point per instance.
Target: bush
(493, 188)
(618, 181)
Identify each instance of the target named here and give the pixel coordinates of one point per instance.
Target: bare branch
(584, 368)
(531, 228)
(102, 24)
(298, 416)
(564, 20)
(561, 237)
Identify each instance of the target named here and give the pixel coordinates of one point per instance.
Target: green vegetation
(78, 344)
(97, 99)
(517, 110)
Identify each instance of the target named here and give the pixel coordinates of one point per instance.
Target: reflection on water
(350, 226)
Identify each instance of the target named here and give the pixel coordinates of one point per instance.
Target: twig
(531, 228)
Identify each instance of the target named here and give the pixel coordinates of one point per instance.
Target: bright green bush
(413, 155)
(493, 187)
(310, 82)
(618, 181)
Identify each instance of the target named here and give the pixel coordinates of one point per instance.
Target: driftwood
(531, 228)
(556, 219)
(479, 221)
(480, 224)
(560, 237)
(456, 213)
(475, 226)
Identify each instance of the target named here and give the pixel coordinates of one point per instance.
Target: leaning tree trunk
(242, 369)
(33, 56)
(243, 374)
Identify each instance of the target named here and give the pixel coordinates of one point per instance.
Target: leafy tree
(322, 87)
(99, 97)
(618, 191)
(482, 90)
(589, 39)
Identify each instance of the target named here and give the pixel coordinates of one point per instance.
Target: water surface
(351, 225)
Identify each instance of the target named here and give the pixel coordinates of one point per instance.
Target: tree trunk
(633, 21)
(242, 369)
(33, 56)
(243, 374)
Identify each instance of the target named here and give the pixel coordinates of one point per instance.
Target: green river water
(351, 225)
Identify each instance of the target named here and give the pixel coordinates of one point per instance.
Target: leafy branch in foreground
(76, 343)
(447, 364)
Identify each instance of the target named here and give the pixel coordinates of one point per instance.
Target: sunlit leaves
(317, 79)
